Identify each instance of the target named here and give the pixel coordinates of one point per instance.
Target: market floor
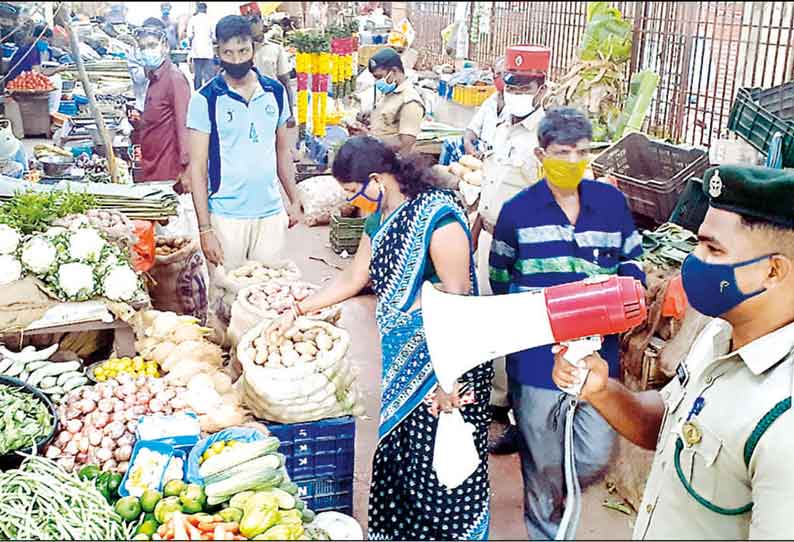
(598, 522)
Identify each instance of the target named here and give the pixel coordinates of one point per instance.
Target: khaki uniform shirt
(400, 112)
(271, 60)
(511, 166)
(738, 389)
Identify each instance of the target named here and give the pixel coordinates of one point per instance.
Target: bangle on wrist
(296, 308)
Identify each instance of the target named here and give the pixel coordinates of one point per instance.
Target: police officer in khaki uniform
(397, 118)
(509, 167)
(723, 429)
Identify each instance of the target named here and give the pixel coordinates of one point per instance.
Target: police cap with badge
(752, 191)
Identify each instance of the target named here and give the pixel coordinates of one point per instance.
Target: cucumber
(307, 516)
(35, 365)
(48, 382)
(65, 377)
(299, 505)
(53, 369)
(16, 369)
(290, 488)
(73, 382)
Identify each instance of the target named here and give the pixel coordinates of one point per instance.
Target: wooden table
(123, 335)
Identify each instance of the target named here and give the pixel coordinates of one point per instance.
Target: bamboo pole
(63, 20)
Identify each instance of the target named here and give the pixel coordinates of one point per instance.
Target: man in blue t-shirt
(239, 151)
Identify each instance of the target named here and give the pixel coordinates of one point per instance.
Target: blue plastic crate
(327, 494)
(68, 107)
(325, 448)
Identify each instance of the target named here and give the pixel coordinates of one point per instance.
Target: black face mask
(237, 71)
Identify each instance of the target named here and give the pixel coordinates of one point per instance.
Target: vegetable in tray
(24, 419)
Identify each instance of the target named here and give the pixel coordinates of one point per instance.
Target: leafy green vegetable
(24, 419)
(30, 212)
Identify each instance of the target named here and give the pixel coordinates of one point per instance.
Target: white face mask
(519, 105)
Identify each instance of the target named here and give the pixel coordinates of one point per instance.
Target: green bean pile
(24, 419)
(41, 501)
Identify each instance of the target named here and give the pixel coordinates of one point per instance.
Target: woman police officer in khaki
(397, 118)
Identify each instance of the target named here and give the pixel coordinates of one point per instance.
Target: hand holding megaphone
(588, 375)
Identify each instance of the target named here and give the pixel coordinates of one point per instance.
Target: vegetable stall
(177, 438)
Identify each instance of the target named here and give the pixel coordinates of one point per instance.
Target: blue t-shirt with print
(243, 183)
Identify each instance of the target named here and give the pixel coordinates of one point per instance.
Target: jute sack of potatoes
(270, 300)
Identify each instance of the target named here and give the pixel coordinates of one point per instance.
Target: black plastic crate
(651, 173)
(758, 114)
(321, 449)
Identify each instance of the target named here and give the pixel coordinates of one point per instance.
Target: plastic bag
(455, 456)
(143, 252)
(241, 434)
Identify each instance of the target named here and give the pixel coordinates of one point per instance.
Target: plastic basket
(68, 107)
(321, 449)
(758, 114)
(327, 494)
(345, 233)
(651, 173)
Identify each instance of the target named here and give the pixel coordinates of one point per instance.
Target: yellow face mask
(564, 174)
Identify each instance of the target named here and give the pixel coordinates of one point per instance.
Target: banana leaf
(607, 35)
(641, 90)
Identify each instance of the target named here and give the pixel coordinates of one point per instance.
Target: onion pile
(99, 422)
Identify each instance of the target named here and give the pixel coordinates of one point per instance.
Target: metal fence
(703, 51)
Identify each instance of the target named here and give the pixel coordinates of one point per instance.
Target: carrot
(193, 532)
(169, 531)
(180, 533)
(161, 530)
(193, 520)
(206, 526)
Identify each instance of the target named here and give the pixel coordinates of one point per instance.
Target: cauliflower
(10, 269)
(76, 280)
(39, 255)
(120, 283)
(9, 239)
(86, 244)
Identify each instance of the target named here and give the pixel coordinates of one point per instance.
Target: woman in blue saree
(415, 233)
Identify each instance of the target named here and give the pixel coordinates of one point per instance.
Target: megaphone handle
(574, 354)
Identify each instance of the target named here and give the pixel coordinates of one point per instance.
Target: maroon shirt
(162, 129)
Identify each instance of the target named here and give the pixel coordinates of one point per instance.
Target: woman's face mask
(365, 202)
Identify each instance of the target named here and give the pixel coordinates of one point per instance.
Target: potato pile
(302, 375)
(257, 272)
(295, 348)
(277, 296)
(166, 246)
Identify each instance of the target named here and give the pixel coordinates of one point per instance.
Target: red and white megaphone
(463, 332)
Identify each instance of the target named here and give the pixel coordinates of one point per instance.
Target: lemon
(218, 447)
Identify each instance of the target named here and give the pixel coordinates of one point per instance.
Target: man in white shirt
(479, 134)
(200, 32)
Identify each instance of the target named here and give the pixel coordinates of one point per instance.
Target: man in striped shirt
(559, 230)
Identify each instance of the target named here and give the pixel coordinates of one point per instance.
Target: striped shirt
(535, 246)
